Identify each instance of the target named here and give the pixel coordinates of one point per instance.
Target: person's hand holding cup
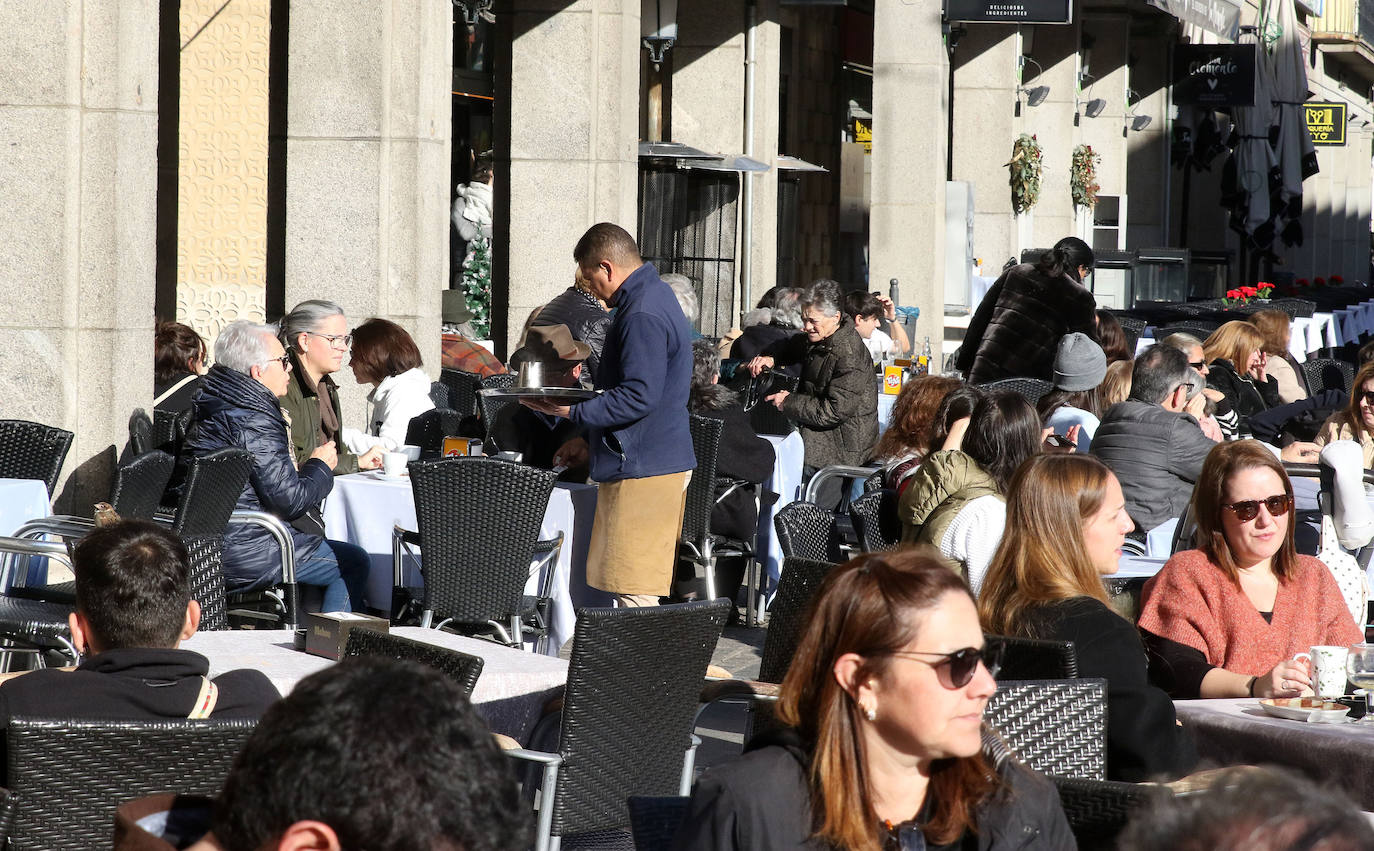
(1326, 667)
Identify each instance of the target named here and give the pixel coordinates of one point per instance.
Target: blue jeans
(342, 569)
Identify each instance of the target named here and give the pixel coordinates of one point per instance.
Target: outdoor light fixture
(1133, 121)
(658, 27)
(1035, 95)
(1094, 107)
(1140, 122)
(474, 9)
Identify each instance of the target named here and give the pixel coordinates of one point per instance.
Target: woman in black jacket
(1236, 367)
(1066, 521)
(883, 708)
(1016, 329)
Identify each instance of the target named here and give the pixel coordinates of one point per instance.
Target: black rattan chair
(655, 821)
(429, 429)
(1056, 727)
(1098, 810)
(462, 390)
(462, 668)
(875, 481)
(1034, 658)
(698, 545)
(214, 482)
(626, 723)
(491, 407)
(805, 530)
(138, 484)
(1294, 307)
(875, 520)
(140, 432)
(1327, 374)
(479, 522)
(1133, 327)
(65, 778)
(1195, 328)
(33, 451)
(1031, 388)
(438, 394)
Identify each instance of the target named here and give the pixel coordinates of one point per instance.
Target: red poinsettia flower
(1302, 282)
(1233, 293)
(1319, 282)
(1249, 291)
(1337, 280)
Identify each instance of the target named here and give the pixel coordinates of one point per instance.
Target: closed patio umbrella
(1245, 185)
(1296, 154)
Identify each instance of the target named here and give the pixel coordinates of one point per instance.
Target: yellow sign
(892, 380)
(1326, 122)
(864, 133)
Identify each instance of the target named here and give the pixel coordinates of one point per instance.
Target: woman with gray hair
(315, 334)
(686, 295)
(783, 307)
(836, 401)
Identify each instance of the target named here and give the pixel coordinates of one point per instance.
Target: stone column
(907, 215)
(79, 116)
(368, 134)
(984, 129)
(567, 143)
(1056, 49)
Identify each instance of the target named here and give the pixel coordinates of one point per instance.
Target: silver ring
(1283, 684)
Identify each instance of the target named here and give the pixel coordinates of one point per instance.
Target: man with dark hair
(133, 607)
(637, 435)
(869, 311)
(372, 753)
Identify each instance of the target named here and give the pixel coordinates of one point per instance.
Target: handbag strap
(205, 701)
(174, 388)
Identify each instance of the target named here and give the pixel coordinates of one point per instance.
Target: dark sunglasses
(956, 669)
(1367, 396)
(1247, 510)
(1197, 365)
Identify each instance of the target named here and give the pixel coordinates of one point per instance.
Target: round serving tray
(563, 394)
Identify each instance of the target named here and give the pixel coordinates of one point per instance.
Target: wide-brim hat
(550, 344)
(455, 308)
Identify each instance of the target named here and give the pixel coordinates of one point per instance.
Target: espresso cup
(1328, 669)
(394, 463)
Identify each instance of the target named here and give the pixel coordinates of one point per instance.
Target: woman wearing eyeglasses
(1356, 422)
(1066, 523)
(1226, 619)
(882, 743)
(315, 334)
(1237, 367)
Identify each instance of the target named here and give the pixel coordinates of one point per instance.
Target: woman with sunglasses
(1066, 523)
(1227, 618)
(881, 746)
(315, 334)
(1356, 422)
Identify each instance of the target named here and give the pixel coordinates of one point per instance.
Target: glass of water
(1359, 669)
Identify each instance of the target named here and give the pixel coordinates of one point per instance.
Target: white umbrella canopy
(1297, 156)
(1252, 158)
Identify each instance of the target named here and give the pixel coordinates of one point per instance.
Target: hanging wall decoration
(1083, 184)
(1025, 173)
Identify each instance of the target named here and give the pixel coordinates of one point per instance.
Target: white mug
(394, 463)
(1328, 669)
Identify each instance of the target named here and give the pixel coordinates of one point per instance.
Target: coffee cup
(394, 463)
(1328, 669)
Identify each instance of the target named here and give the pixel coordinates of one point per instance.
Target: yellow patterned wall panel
(222, 163)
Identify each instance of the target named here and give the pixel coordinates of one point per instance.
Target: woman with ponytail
(1016, 329)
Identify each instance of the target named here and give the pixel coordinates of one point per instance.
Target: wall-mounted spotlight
(1094, 107)
(1140, 122)
(1035, 95)
(1134, 121)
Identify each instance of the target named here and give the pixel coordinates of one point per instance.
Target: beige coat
(1339, 427)
(1290, 388)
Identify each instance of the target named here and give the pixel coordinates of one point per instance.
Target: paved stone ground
(721, 726)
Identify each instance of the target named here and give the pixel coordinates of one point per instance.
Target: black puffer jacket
(1246, 397)
(836, 401)
(1016, 329)
(762, 802)
(585, 319)
(235, 410)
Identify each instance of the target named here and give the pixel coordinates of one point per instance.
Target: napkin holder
(326, 633)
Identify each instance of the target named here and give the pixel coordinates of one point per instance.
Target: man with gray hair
(1155, 447)
(237, 408)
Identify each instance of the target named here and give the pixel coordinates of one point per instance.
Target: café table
(364, 507)
(22, 500)
(510, 693)
(1237, 732)
(789, 456)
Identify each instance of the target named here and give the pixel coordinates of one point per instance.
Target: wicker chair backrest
(1035, 658)
(140, 432)
(806, 530)
(462, 668)
(787, 615)
(875, 520)
(1031, 388)
(701, 490)
(138, 485)
(33, 451)
(1327, 374)
(462, 390)
(1056, 727)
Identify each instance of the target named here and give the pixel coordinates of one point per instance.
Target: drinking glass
(1359, 669)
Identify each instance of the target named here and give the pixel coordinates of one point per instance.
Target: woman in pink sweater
(1226, 619)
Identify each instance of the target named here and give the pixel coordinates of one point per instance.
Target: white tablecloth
(885, 403)
(22, 500)
(786, 482)
(513, 687)
(363, 508)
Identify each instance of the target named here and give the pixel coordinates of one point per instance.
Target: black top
(742, 456)
(180, 399)
(536, 436)
(1144, 740)
(1179, 668)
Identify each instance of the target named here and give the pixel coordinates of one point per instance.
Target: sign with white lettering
(1326, 122)
(1221, 17)
(1009, 11)
(1214, 74)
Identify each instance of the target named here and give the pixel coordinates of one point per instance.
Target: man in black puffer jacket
(237, 407)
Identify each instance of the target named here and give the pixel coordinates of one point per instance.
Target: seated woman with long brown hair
(882, 743)
(905, 444)
(1066, 522)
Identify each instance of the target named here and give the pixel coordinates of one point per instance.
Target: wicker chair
(1327, 374)
(1134, 328)
(698, 545)
(1294, 307)
(1056, 727)
(462, 390)
(1031, 388)
(491, 407)
(462, 668)
(626, 723)
(33, 451)
(34, 627)
(805, 530)
(138, 485)
(479, 522)
(140, 432)
(438, 394)
(1034, 658)
(65, 778)
(429, 429)
(1196, 328)
(655, 821)
(875, 520)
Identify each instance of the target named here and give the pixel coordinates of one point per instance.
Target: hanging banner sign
(1009, 11)
(1214, 74)
(1220, 17)
(1326, 122)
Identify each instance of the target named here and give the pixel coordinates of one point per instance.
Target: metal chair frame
(701, 545)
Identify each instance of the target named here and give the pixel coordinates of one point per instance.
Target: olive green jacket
(302, 408)
(944, 483)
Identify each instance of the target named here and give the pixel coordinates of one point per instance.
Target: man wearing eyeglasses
(237, 408)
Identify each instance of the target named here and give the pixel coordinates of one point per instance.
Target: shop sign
(863, 132)
(1326, 122)
(1009, 11)
(1214, 74)
(1219, 17)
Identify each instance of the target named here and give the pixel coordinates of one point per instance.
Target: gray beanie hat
(1080, 363)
